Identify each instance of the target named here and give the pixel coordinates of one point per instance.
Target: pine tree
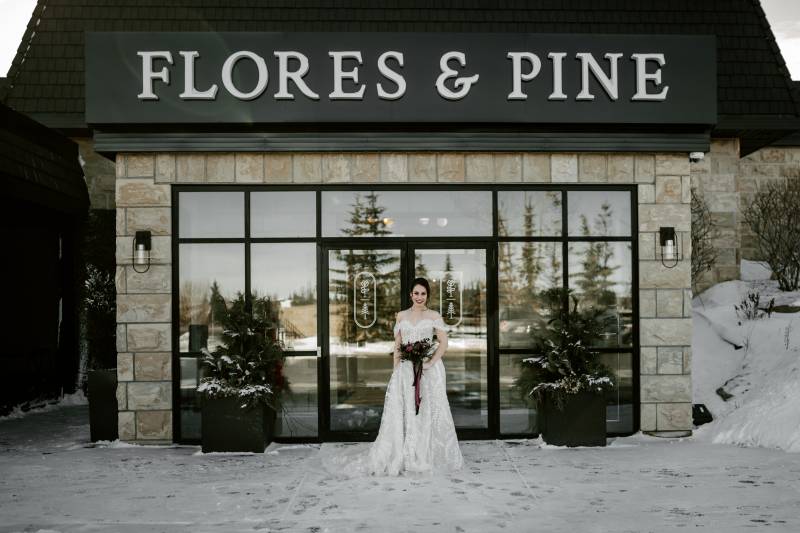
(421, 271)
(218, 309)
(594, 280)
(531, 259)
(509, 286)
(367, 219)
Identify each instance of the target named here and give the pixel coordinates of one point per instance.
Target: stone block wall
(99, 172)
(143, 200)
(144, 304)
(728, 184)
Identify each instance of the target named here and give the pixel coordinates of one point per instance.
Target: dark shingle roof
(753, 81)
(40, 165)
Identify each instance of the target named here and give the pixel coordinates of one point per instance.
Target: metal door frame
(406, 247)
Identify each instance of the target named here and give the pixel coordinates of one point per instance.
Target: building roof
(793, 139)
(40, 165)
(755, 100)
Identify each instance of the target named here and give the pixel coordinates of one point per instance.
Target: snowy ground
(52, 479)
(732, 475)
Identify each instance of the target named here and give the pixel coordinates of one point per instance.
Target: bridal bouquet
(416, 352)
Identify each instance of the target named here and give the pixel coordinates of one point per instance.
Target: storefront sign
(236, 78)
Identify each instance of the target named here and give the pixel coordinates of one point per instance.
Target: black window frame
(494, 351)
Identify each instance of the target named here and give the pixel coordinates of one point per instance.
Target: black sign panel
(263, 78)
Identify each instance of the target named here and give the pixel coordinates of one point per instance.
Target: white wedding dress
(408, 442)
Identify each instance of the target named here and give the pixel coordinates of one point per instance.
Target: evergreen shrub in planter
(242, 381)
(567, 381)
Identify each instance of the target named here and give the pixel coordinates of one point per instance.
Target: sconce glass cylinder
(670, 253)
(142, 245)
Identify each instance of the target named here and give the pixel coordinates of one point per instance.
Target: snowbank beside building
(755, 364)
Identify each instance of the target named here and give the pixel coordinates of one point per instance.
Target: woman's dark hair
(424, 283)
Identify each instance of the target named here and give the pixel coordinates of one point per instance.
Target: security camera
(696, 157)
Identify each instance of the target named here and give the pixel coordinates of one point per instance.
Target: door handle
(319, 352)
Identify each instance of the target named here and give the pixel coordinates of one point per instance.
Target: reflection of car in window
(616, 326)
(518, 325)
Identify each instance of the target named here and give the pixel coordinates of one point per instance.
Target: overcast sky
(783, 15)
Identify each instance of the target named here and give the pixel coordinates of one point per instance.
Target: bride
(408, 441)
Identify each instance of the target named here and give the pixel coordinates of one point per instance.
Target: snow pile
(756, 362)
(76, 398)
(754, 270)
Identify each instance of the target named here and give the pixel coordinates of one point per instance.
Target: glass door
(365, 287)
(459, 293)
(363, 295)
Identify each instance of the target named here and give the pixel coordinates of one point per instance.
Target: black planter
(581, 423)
(103, 411)
(226, 427)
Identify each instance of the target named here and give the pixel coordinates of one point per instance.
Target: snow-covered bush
(564, 362)
(704, 230)
(249, 363)
(774, 217)
(749, 308)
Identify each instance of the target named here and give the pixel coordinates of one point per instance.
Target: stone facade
(143, 199)
(99, 172)
(729, 183)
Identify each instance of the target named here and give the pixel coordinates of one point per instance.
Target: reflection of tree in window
(367, 219)
(420, 269)
(531, 258)
(594, 280)
(193, 304)
(201, 304)
(523, 278)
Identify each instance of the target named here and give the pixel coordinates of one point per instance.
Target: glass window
(529, 213)
(299, 416)
(600, 277)
(190, 404)
(211, 214)
(619, 400)
(210, 276)
(529, 289)
(406, 213)
(286, 273)
(283, 214)
(517, 410)
(599, 213)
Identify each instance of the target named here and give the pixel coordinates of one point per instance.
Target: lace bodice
(412, 332)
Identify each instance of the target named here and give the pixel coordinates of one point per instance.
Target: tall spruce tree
(531, 256)
(509, 285)
(594, 279)
(367, 220)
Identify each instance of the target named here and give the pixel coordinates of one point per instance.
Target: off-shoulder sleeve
(438, 323)
(396, 326)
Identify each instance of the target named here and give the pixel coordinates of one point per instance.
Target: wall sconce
(142, 244)
(670, 251)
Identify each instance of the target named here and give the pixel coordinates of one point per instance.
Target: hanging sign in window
(451, 296)
(365, 300)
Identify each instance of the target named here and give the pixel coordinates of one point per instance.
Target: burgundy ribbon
(417, 378)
